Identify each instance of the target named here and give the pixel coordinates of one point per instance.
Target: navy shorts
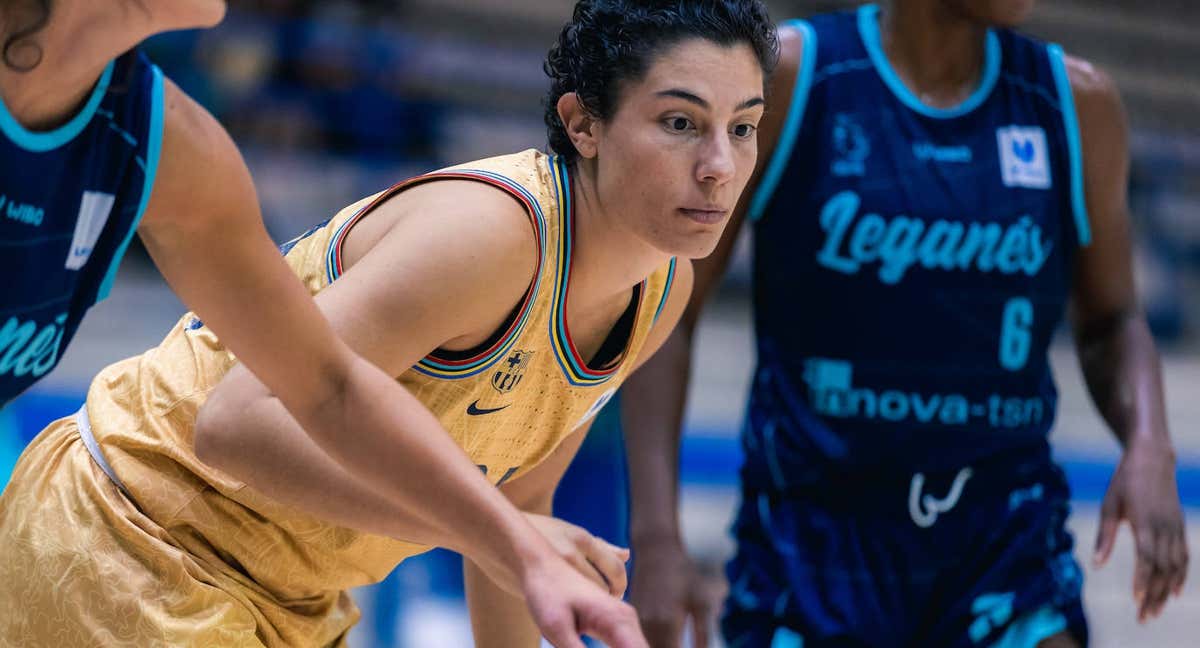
(974, 557)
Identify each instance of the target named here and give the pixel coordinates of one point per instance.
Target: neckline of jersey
(868, 28)
(42, 141)
(572, 362)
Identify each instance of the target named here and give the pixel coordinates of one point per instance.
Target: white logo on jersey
(924, 509)
(596, 407)
(1024, 157)
(94, 209)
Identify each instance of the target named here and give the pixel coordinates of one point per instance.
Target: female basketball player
(509, 296)
(935, 188)
(97, 144)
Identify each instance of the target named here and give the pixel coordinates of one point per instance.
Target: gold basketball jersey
(508, 406)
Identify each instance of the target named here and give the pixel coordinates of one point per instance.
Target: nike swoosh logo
(475, 411)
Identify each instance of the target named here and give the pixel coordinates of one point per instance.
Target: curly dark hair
(611, 42)
(22, 19)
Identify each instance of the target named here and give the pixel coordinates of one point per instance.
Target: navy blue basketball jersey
(70, 200)
(911, 263)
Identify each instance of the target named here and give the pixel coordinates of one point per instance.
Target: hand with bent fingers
(1143, 491)
(668, 592)
(565, 604)
(597, 560)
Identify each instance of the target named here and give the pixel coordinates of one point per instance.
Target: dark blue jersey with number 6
(911, 263)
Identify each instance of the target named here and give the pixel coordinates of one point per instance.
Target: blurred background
(337, 99)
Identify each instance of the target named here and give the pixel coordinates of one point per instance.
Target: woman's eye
(743, 130)
(679, 124)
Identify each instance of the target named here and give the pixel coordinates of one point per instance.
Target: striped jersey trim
(432, 365)
(666, 289)
(574, 368)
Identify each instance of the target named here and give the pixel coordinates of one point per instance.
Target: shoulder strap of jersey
(791, 125)
(1066, 101)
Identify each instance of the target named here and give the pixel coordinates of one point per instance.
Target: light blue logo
(832, 393)
(787, 638)
(992, 611)
(31, 215)
(927, 151)
(1022, 495)
(26, 349)
(824, 374)
(854, 239)
(850, 146)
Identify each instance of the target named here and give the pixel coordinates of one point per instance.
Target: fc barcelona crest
(508, 374)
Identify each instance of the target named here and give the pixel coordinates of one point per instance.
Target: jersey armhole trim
(432, 365)
(1066, 101)
(153, 152)
(791, 126)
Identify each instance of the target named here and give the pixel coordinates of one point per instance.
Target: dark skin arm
(1119, 360)
(666, 585)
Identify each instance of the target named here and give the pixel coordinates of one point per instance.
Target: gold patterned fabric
(192, 557)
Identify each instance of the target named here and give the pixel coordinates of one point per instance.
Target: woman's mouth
(705, 215)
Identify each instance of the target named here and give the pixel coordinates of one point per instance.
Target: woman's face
(679, 149)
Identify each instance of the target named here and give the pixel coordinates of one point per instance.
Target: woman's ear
(579, 124)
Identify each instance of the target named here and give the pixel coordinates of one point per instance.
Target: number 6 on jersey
(1014, 333)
